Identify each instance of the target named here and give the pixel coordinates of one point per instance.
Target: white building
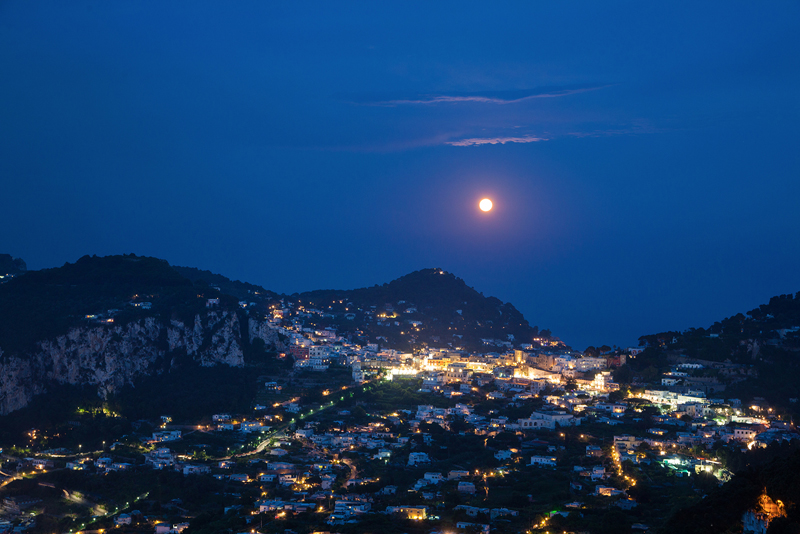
(416, 458)
(672, 399)
(589, 364)
(434, 478)
(318, 351)
(744, 434)
(466, 487)
(548, 420)
(543, 461)
(167, 435)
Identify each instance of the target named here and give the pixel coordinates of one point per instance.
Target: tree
(650, 374)
(783, 525)
(623, 374)
(616, 396)
(614, 522)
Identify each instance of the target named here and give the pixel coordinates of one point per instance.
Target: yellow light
(485, 204)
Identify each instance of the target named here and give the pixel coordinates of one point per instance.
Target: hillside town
(524, 437)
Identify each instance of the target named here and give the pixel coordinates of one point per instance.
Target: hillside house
(410, 511)
(416, 458)
(543, 461)
(466, 487)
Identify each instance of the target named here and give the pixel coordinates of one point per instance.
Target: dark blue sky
(643, 159)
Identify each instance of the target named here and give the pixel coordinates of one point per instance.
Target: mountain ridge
(108, 321)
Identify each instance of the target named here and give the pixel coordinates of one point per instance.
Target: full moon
(485, 204)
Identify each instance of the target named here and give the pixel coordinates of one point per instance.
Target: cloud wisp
(456, 138)
(477, 141)
(639, 127)
(486, 97)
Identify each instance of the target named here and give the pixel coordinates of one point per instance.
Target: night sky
(643, 159)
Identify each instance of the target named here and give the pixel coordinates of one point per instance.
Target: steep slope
(42, 304)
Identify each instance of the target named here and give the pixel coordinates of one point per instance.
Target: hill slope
(240, 290)
(43, 304)
(105, 322)
(445, 312)
(763, 346)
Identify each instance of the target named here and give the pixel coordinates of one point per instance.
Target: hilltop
(429, 307)
(11, 266)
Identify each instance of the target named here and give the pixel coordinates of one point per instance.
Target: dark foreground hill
(771, 486)
(742, 338)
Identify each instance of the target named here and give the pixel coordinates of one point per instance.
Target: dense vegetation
(740, 338)
(764, 343)
(240, 290)
(185, 392)
(776, 473)
(40, 305)
(9, 265)
(190, 392)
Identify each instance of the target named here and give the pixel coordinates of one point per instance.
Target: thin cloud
(477, 141)
(639, 127)
(490, 97)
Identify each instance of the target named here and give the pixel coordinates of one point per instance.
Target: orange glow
(485, 204)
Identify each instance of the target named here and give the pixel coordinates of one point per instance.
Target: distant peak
(10, 265)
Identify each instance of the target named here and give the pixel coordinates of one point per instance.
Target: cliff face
(262, 330)
(110, 357)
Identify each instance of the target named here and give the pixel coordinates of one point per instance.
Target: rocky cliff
(112, 356)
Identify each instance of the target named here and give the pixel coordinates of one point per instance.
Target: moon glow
(485, 204)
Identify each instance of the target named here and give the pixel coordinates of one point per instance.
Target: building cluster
(442, 369)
